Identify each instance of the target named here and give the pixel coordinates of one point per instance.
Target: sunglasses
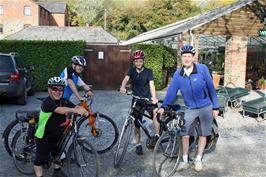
(55, 89)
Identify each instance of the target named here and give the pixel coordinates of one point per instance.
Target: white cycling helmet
(188, 49)
(56, 81)
(79, 60)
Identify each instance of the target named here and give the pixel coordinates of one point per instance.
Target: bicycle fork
(91, 122)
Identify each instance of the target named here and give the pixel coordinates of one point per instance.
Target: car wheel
(22, 100)
(31, 92)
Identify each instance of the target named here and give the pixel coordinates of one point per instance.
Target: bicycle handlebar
(171, 114)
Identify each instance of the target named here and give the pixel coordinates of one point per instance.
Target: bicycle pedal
(81, 138)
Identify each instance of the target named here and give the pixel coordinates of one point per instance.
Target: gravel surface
(240, 151)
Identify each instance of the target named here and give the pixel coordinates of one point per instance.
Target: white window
(100, 55)
(27, 10)
(1, 10)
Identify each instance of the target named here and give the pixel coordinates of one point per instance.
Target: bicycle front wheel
(106, 132)
(82, 162)
(166, 154)
(23, 152)
(123, 142)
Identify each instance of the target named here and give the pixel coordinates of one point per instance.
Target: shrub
(48, 57)
(157, 58)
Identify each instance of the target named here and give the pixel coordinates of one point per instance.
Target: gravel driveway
(241, 149)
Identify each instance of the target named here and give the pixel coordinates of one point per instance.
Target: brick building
(16, 15)
(238, 22)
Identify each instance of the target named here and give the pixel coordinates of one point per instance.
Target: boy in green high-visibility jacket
(52, 115)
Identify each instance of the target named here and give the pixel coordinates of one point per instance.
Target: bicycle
(168, 149)
(126, 132)
(96, 124)
(81, 157)
(24, 119)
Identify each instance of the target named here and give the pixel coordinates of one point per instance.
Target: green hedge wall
(48, 57)
(157, 58)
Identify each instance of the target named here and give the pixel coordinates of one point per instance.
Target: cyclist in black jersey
(52, 116)
(143, 86)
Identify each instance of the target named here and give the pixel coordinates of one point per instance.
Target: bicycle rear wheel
(23, 152)
(82, 162)
(107, 132)
(213, 138)
(166, 154)
(9, 133)
(123, 142)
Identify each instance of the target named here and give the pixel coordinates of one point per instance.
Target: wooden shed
(107, 65)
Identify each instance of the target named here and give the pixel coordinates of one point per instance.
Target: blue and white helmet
(56, 81)
(188, 49)
(79, 60)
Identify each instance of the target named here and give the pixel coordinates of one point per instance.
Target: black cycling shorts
(140, 108)
(44, 149)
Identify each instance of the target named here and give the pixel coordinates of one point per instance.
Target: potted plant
(218, 70)
(262, 83)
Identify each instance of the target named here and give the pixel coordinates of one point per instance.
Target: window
(1, 28)
(100, 55)
(1, 10)
(27, 10)
(27, 25)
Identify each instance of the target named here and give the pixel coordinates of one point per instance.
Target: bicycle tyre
(79, 158)
(24, 156)
(212, 139)
(166, 154)
(123, 142)
(106, 126)
(9, 133)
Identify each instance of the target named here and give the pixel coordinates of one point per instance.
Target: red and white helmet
(138, 54)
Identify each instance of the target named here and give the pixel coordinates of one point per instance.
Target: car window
(6, 62)
(18, 62)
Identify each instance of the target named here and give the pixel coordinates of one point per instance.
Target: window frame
(27, 10)
(1, 10)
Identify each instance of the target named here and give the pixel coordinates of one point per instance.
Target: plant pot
(216, 80)
(261, 86)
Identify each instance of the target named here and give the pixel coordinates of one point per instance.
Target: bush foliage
(157, 58)
(48, 57)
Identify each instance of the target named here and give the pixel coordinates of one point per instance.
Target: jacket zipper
(192, 92)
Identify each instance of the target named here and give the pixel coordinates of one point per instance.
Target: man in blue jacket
(196, 86)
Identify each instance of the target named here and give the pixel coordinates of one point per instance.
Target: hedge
(158, 57)
(48, 57)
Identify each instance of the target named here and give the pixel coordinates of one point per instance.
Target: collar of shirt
(188, 71)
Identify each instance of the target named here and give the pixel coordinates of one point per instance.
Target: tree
(88, 9)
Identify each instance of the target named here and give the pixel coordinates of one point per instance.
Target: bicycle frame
(136, 98)
(71, 130)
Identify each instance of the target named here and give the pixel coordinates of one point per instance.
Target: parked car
(16, 79)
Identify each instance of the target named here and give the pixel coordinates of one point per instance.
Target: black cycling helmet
(56, 81)
(188, 49)
(79, 60)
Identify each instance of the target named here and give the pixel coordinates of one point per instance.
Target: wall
(13, 19)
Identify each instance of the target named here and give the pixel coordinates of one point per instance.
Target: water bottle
(147, 124)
